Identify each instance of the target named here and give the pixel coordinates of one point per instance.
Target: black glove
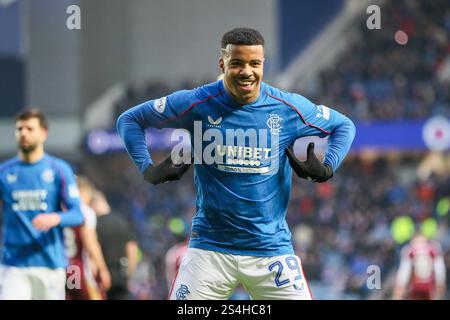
(166, 171)
(312, 168)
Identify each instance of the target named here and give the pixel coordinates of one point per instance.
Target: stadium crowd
(376, 78)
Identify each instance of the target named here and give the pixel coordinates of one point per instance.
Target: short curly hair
(242, 36)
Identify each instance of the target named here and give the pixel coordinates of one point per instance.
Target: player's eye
(235, 63)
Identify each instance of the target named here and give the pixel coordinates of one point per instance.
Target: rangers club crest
(274, 124)
(11, 178)
(182, 292)
(48, 176)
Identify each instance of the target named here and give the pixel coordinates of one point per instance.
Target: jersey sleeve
(70, 198)
(172, 111)
(322, 121)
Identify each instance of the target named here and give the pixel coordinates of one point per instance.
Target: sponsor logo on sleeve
(323, 111)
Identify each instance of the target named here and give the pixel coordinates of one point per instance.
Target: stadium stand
(378, 79)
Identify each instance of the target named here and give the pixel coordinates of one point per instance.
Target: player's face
(30, 134)
(242, 68)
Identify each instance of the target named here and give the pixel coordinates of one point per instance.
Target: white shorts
(32, 283)
(210, 275)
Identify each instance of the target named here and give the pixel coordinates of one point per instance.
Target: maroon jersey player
(421, 275)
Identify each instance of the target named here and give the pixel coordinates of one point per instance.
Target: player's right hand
(166, 171)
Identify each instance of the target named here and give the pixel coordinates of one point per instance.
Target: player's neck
(33, 156)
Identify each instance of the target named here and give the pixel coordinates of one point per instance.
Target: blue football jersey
(242, 174)
(26, 190)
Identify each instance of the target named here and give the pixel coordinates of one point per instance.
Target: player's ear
(222, 64)
(44, 134)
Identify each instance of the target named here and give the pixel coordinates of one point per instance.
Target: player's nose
(245, 71)
(24, 134)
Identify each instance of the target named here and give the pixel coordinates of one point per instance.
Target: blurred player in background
(239, 234)
(85, 253)
(421, 275)
(119, 247)
(40, 197)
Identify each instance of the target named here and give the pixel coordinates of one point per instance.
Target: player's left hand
(46, 221)
(312, 168)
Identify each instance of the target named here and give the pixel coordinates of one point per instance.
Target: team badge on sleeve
(160, 104)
